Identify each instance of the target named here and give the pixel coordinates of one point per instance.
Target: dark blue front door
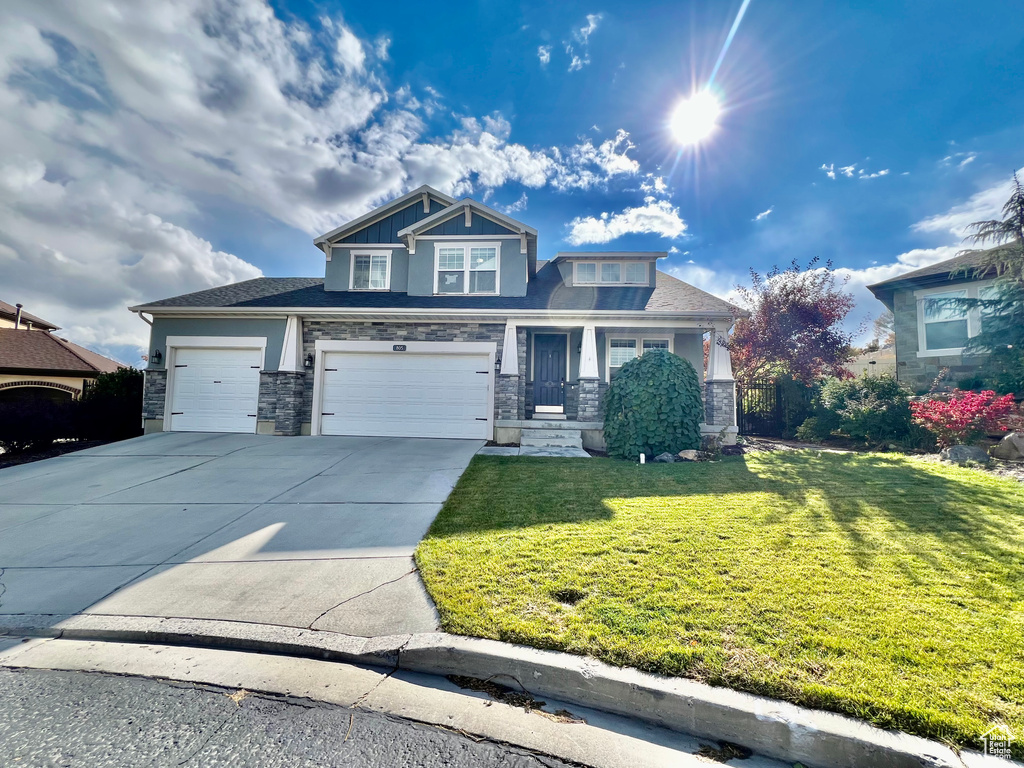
(549, 369)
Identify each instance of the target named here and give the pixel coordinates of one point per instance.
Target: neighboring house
(434, 319)
(881, 361)
(930, 334)
(34, 363)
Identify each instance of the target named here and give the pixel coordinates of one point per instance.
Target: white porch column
(510, 350)
(588, 354)
(719, 357)
(291, 350)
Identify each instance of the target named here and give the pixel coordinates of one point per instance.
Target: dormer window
(371, 271)
(610, 273)
(469, 268)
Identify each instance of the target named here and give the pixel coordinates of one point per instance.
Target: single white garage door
(405, 394)
(215, 390)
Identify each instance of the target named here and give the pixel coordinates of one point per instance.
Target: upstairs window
(610, 273)
(466, 269)
(371, 271)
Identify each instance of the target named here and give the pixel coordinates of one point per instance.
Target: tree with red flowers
(963, 417)
(795, 326)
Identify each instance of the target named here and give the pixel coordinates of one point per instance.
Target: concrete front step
(561, 441)
(549, 433)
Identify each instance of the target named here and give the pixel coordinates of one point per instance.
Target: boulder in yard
(963, 454)
(689, 455)
(1010, 448)
(665, 458)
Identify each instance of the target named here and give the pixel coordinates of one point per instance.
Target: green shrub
(871, 409)
(653, 406)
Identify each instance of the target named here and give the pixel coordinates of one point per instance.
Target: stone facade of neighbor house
(434, 318)
(931, 337)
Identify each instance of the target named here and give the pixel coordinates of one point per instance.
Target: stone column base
(280, 405)
(720, 403)
(506, 396)
(588, 400)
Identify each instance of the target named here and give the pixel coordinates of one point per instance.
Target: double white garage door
(405, 394)
(425, 391)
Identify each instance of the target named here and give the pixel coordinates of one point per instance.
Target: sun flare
(695, 118)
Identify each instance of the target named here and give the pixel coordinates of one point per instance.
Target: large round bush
(872, 409)
(653, 406)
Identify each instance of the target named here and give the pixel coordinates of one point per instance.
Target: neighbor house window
(467, 269)
(945, 328)
(371, 271)
(610, 273)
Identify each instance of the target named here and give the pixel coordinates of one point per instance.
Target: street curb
(766, 726)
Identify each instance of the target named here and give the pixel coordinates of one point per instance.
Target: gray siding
(386, 230)
(273, 329)
(512, 268)
(338, 270)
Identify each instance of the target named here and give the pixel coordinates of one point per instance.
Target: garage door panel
(215, 390)
(406, 395)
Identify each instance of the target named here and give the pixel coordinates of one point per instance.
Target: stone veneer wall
(314, 330)
(919, 373)
(282, 394)
(154, 393)
(720, 403)
(588, 400)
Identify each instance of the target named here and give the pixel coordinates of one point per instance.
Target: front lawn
(879, 586)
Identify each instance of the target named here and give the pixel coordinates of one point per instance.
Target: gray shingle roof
(942, 269)
(545, 291)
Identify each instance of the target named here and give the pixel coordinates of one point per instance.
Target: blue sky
(148, 153)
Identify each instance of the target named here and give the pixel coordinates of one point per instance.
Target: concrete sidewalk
(314, 532)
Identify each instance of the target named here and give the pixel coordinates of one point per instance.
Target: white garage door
(405, 394)
(215, 390)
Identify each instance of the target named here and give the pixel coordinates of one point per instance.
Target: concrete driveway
(313, 532)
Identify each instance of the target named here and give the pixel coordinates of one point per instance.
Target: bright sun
(695, 118)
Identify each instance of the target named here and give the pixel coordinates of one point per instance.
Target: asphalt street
(55, 718)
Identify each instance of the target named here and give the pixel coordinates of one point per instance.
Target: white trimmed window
(944, 328)
(470, 268)
(622, 350)
(610, 273)
(371, 271)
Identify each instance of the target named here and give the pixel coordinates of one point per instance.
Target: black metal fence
(772, 408)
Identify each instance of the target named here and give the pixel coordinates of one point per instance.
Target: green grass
(874, 585)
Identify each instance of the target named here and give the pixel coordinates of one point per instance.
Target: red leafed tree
(795, 326)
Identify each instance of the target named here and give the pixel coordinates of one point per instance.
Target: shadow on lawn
(975, 520)
(971, 518)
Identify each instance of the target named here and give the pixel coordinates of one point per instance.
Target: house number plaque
(398, 348)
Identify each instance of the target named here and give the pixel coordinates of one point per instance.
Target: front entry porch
(556, 376)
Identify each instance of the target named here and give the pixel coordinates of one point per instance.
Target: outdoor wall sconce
(308, 362)
(156, 357)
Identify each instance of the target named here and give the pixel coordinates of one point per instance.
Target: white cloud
(960, 159)
(544, 54)
(657, 217)
(851, 171)
(983, 205)
(517, 207)
(764, 214)
(121, 122)
(654, 184)
(579, 50)
(721, 284)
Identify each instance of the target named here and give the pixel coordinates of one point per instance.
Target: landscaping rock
(962, 454)
(689, 455)
(665, 458)
(1010, 448)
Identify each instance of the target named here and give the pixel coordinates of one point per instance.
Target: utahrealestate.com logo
(998, 741)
